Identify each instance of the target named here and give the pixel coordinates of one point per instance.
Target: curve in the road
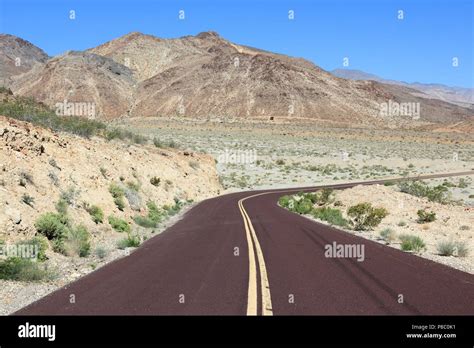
(280, 268)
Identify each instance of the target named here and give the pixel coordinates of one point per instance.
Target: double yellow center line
(255, 249)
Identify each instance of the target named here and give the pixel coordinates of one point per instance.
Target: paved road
(243, 254)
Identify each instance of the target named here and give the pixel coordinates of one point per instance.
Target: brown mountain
(80, 77)
(206, 75)
(17, 56)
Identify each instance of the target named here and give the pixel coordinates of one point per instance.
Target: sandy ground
(260, 156)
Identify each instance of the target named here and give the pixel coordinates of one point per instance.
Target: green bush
(412, 243)
(171, 209)
(52, 225)
(331, 215)
(129, 242)
(304, 206)
(424, 216)
(365, 217)
(323, 197)
(438, 193)
(116, 191)
(15, 268)
(77, 242)
(118, 194)
(118, 224)
(96, 213)
(153, 218)
(284, 201)
(27, 109)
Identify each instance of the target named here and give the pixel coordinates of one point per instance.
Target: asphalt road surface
(242, 254)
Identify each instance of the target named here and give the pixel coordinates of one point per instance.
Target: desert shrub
(76, 242)
(157, 142)
(401, 224)
(119, 203)
(424, 216)
(387, 234)
(144, 221)
(173, 209)
(26, 178)
(28, 200)
(104, 172)
(129, 242)
(69, 196)
(118, 194)
(446, 248)
(118, 224)
(52, 225)
(462, 249)
(365, 217)
(412, 243)
(155, 181)
(464, 228)
(325, 196)
(154, 213)
(284, 201)
(135, 186)
(121, 134)
(15, 268)
(450, 248)
(100, 252)
(116, 191)
(331, 215)
(463, 183)
(280, 162)
(438, 193)
(172, 144)
(153, 218)
(304, 206)
(61, 207)
(27, 109)
(96, 213)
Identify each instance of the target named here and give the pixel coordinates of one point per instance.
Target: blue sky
(419, 48)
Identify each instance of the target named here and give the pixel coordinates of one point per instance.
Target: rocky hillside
(208, 76)
(42, 171)
(80, 77)
(17, 56)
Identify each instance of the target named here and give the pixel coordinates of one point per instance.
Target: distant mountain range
(206, 76)
(458, 95)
